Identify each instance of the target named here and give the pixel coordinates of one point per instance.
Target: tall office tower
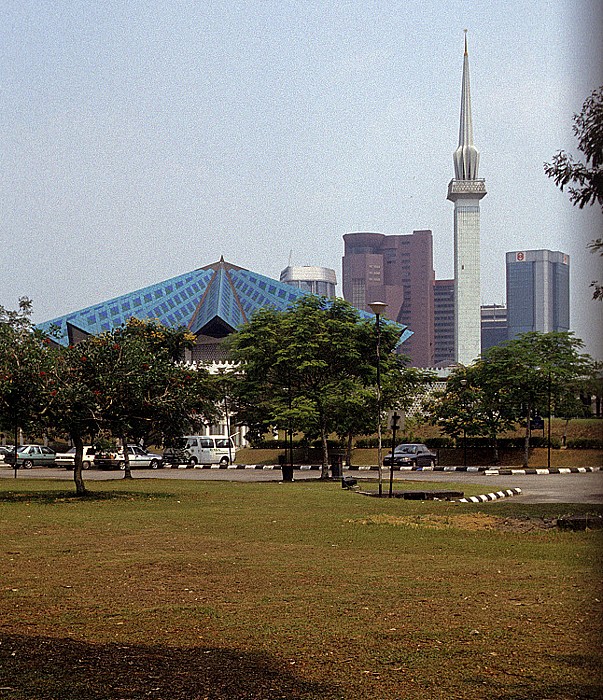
(494, 325)
(317, 280)
(399, 271)
(537, 291)
(466, 190)
(443, 316)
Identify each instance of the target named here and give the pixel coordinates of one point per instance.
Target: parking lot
(542, 488)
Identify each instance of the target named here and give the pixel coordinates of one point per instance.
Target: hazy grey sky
(141, 140)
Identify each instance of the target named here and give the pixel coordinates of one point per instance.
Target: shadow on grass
(49, 497)
(65, 669)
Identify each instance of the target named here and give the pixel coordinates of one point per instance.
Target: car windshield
(406, 449)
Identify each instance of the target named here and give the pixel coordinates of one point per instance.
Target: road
(541, 488)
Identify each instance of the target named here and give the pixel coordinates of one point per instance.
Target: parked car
(193, 450)
(67, 459)
(4, 450)
(138, 458)
(411, 454)
(29, 456)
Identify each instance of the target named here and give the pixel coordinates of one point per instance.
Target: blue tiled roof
(220, 291)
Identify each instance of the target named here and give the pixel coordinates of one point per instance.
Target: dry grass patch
(190, 590)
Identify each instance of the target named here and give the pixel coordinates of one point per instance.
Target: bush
(585, 444)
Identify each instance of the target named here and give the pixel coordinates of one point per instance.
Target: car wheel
(224, 462)
(122, 466)
(27, 464)
(192, 462)
(154, 464)
(85, 465)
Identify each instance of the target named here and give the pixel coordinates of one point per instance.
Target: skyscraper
(399, 271)
(443, 313)
(537, 291)
(466, 190)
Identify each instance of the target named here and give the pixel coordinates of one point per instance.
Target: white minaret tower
(465, 190)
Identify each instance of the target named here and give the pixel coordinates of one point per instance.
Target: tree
(297, 368)
(538, 369)
(142, 391)
(510, 384)
(585, 180)
(475, 402)
(26, 359)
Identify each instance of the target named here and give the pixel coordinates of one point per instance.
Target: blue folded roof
(218, 296)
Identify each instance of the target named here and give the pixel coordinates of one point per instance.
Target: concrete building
(316, 280)
(537, 291)
(494, 325)
(466, 190)
(398, 270)
(443, 304)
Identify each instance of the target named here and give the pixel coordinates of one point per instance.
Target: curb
(490, 496)
(556, 470)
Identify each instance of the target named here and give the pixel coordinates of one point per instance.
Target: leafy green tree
(509, 384)
(475, 402)
(298, 367)
(26, 359)
(538, 368)
(585, 179)
(142, 390)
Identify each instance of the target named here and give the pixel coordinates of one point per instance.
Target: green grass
(177, 589)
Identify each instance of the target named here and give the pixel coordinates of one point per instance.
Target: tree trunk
(78, 442)
(127, 470)
(564, 438)
(348, 450)
(495, 455)
(526, 444)
(324, 474)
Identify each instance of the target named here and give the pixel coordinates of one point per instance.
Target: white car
(138, 458)
(67, 459)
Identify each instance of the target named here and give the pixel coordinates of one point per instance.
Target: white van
(197, 450)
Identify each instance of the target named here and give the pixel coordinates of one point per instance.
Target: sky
(140, 140)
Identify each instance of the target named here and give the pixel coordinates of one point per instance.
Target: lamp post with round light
(378, 307)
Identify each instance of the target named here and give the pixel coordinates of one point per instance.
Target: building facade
(316, 280)
(537, 291)
(443, 323)
(494, 325)
(466, 190)
(398, 270)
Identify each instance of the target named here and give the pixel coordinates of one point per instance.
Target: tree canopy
(312, 369)
(584, 179)
(510, 383)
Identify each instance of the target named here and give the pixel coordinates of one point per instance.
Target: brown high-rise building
(399, 271)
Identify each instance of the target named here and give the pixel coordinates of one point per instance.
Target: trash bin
(337, 466)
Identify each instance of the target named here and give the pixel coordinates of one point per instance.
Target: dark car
(411, 455)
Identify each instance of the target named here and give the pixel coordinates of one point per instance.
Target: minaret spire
(466, 156)
(466, 190)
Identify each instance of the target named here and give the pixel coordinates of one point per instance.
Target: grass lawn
(187, 590)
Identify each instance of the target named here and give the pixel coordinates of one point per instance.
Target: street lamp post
(548, 445)
(378, 307)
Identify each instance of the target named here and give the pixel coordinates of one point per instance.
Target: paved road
(542, 488)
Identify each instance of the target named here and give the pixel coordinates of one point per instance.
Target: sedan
(67, 459)
(29, 456)
(413, 455)
(138, 458)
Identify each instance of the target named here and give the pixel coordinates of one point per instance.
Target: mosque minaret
(465, 190)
